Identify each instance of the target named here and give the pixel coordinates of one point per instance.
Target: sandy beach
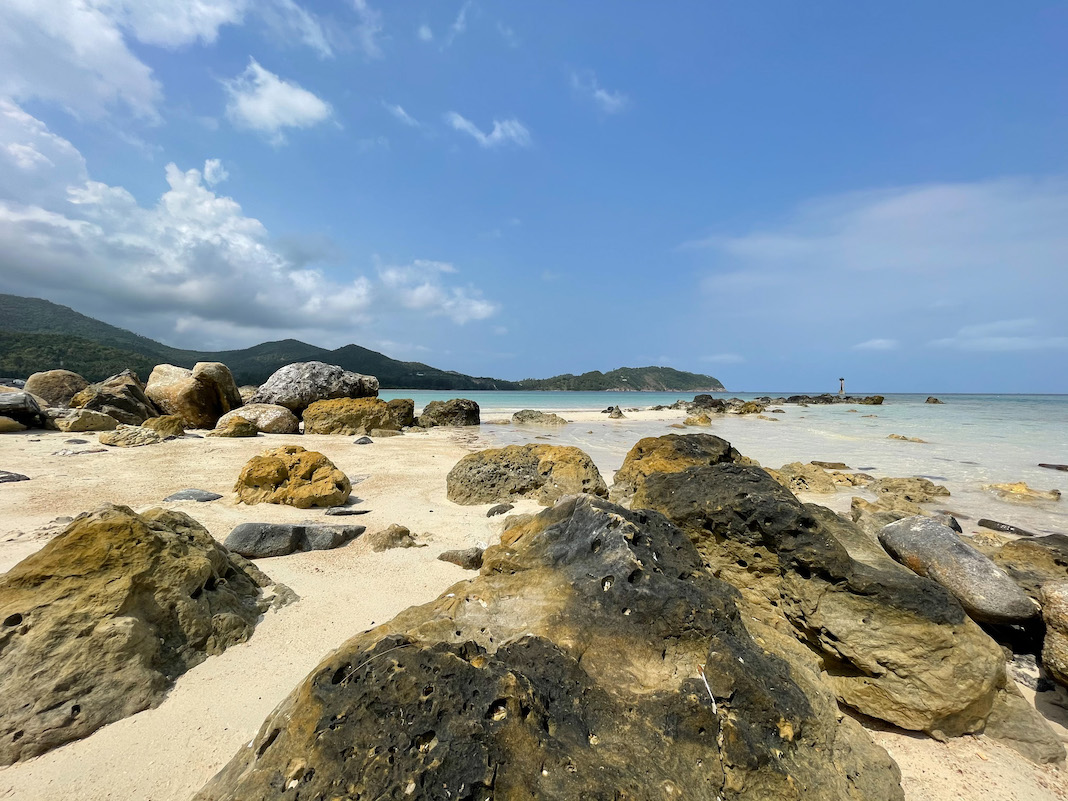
(168, 753)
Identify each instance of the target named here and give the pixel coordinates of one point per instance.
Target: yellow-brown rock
(357, 415)
(237, 426)
(668, 454)
(1054, 599)
(199, 396)
(169, 425)
(57, 387)
(293, 476)
(545, 473)
(1020, 492)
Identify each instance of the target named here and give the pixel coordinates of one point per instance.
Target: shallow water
(971, 440)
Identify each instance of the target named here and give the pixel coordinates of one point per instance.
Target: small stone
(7, 477)
(76, 442)
(344, 511)
(198, 495)
(396, 536)
(385, 432)
(363, 441)
(470, 559)
(263, 540)
(499, 509)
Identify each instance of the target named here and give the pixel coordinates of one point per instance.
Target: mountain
(37, 335)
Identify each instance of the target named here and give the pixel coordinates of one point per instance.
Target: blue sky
(774, 193)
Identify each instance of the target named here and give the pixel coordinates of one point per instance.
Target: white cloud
(609, 102)
(287, 19)
(262, 101)
(504, 132)
(402, 115)
(1003, 336)
(459, 25)
(877, 344)
(214, 172)
(369, 29)
(192, 262)
(171, 23)
(723, 358)
(425, 34)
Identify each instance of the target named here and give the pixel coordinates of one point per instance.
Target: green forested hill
(38, 335)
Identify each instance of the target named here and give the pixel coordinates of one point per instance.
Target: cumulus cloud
(586, 85)
(214, 172)
(193, 261)
(261, 101)
(504, 132)
(399, 113)
(877, 344)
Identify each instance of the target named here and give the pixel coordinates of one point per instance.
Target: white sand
(216, 708)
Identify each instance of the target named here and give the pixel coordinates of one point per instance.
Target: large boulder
(98, 624)
(122, 396)
(199, 396)
(57, 387)
(569, 668)
(894, 645)
(267, 417)
(358, 415)
(297, 386)
(933, 550)
(455, 412)
(668, 454)
(1055, 647)
(262, 540)
(293, 476)
(545, 473)
(23, 408)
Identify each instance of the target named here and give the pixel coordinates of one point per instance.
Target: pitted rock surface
(545, 473)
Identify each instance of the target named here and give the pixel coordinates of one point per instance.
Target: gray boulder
(122, 396)
(262, 540)
(23, 408)
(198, 495)
(933, 550)
(297, 386)
(532, 417)
(455, 412)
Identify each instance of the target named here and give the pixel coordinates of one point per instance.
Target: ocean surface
(970, 440)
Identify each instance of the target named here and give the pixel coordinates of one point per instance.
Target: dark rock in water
(985, 591)
(895, 646)
(499, 509)
(262, 540)
(364, 441)
(23, 408)
(994, 525)
(470, 559)
(297, 386)
(569, 669)
(343, 511)
(933, 399)
(98, 624)
(1054, 466)
(455, 412)
(198, 495)
(7, 477)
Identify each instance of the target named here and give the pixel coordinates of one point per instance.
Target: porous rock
(544, 473)
(357, 415)
(297, 386)
(130, 437)
(267, 417)
(912, 489)
(894, 645)
(57, 387)
(293, 476)
(533, 417)
(455, 412)
(97, 624)
(393, 536)
(933, 550)
(121, 396)
(553, 676)
(668, 454)
(263, 540)
(236, 426)
(1054, 598)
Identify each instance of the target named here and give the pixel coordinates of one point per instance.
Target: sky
(778, 194)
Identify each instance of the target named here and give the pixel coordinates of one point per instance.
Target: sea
(969, 440)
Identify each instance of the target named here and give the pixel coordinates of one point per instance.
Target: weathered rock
(1020, 492)
(933, 399)
(1054, 599)
(268, 418)
(469, 559)
(236, 426)
(615, 413)
(700, 419)
(7, 477)
(913, 490)
(749, 407)
(9, 426)
(122, 396)
(23, 408)
(130, 437)
(894, 645)
(198, 495)
(247, 391)
(670, 453)
(545, 473)
(499, 509)
(1014, 722)
(264, 540)
(553, 676)
(218, 376)
(532, 417)
(199, 396)
(74, 420)
(394, 536)
(903, 438)
(294, 476)
(167, 426)
(357, 415)
(798, 477)
(297, 386)
(455, 412)
(57, 387)
(933, 550)
(1033, 563)
(831, 465)
(98, 623)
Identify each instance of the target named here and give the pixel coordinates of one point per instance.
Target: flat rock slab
(262, 540)
(931, 549)
(1054, 466)
(198, 495)
(7, 477)
(1007, 528)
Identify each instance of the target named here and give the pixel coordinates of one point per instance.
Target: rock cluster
(545, 473)
(294, 476)
(97, 624)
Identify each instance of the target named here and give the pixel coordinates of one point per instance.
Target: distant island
(37, 335)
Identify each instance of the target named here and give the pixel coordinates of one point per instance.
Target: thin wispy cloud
(508, 34)
(369, 29)
(585, 84)
(403, 116)
(877, 344)
(288, 19)
(261, 101)
(424, 34)
(459, 25)
(504, 132)
(1003, 336)
(723, 358)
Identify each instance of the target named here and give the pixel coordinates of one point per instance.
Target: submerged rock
(97, 624)
(545, 473)
(293, 476)
(568, 669)
(1019, 491)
